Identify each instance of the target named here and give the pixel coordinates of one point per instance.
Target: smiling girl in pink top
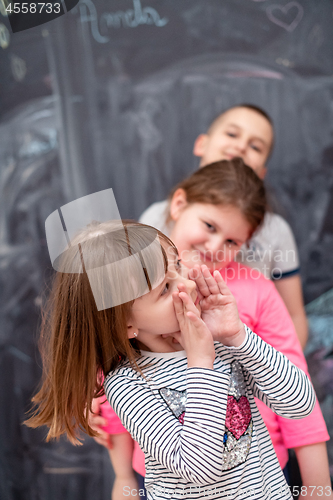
(210, 216)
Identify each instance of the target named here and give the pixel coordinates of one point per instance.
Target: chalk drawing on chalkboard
(317, 35)
(88, 14)
(254, 73)
(147, 129)
(131, 18)
(19, 68)
(4, 36)
(285, 62)
(3, 6)
(288, 16)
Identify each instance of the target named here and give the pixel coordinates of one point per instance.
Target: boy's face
(240, 132)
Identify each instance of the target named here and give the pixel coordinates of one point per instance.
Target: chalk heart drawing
(281, 15)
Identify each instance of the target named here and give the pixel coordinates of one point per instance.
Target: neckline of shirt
(165, 355)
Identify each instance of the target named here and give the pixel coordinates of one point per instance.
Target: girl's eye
(256, 148)
(165, 289)
(231, 243)
(210, 227)
(178, 264)
(231, 134)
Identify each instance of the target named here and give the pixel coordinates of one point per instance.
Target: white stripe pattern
(185, 460)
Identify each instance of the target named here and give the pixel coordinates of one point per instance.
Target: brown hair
(78, 342)
(227, 182)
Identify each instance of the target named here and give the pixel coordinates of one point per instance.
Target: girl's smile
(207, 234)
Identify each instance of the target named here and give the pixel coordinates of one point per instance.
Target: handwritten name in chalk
(131, 18)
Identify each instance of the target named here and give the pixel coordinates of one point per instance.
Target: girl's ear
(132, 331)
(178, 203)
(200, 145)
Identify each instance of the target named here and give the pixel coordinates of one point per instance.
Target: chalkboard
(113, 94)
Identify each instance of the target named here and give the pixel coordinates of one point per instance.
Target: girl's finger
(95, 422)
(224, 290)
(181, 287)
(188, 303)
(210, 280)
(178, 304)
(193, 318)
(177, 336)
(197, 322)
(195, 274)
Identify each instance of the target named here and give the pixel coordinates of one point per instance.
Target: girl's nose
(214, 244)
(190, 285)
(241, 145)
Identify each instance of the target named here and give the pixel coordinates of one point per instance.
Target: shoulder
(125, 373)
(276, 236)
(155, 214)
(273, 224)
(117, 376)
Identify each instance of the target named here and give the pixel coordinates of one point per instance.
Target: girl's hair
(227, 182)
(79, 343)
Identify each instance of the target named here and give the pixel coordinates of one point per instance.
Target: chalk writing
(317, 35)
(285, 62)
(281, 15)
(130, 18)
(88, 14)
(3, 6)
(4, 36)
(133, 17)
(19, 68)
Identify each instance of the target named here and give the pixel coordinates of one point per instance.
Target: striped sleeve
(274, 379)
(192, 450)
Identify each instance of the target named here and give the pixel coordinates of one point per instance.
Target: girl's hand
(218, 307)
(96, 422)
(194, 335)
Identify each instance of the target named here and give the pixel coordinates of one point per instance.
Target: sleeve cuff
(231, 347)
(279, 275)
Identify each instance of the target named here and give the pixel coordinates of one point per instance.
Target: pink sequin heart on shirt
(238, 415)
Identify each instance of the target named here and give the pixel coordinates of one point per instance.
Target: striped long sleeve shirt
(200, 429)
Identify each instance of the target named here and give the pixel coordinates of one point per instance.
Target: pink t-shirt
(263, 310)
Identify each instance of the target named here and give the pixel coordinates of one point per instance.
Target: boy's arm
(290, 290)
(314, 469)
